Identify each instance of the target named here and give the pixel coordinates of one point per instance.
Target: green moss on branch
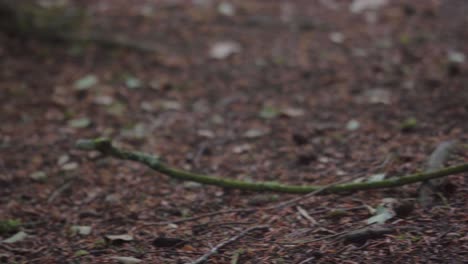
(105, 146)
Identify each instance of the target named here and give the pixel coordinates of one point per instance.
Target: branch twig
(64, 187)
(215, 249)
(193, 218)
(105, 146)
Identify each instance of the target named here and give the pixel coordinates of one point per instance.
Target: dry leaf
(224, 49)
(127, 260)
(241, 148)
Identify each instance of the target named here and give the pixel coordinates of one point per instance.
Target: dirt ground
(298, 92)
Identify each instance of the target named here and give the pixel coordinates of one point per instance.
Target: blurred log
(428, 189)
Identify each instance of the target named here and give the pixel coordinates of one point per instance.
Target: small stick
(60, 190)
(330, 236)
(178, 221)
(281, 205)
(105, 146)
(305, 261)
(299, 199)
(215, 249)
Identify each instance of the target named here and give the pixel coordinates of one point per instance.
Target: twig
(60, 190)
(297, 200)
(105, 146)
(363, 234)
(22, 251)
(305, 261)
(117, 41)
(215, 249)
(330, 236)
(178, 221)
(281, 205)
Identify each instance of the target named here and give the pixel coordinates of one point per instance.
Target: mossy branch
(105, 146)
(59, 22)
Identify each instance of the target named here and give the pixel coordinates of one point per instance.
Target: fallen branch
(363, 234)
(428, 189)
(215, 249)
(360, 236)
(105, 146)
(29, 19)
(336, 235)
(117, 41)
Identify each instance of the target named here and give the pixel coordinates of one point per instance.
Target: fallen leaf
(70, 166)
(127, 260)
(224, 49)
(63, 159)
(104, 100)
(133, 83)
(119, 238)
(192, 185)
(86, 82)
(217, 119)
(352, 125)
(358, 180)
(337, 37)
(226, 9)
(116, 108)
(336, 214)
(112, 198)
(81, 230)
(16, 237)
(170, 105)
(81, 252)
(359, 6)
(188, 248)
(255, 133)
(409, 124)
(205, 133)
(38, 176)
(378, 96)
(456, 57)
(138, 131)
(269, 112)
(79, 123)
(384, 212)
(292, 112)
(377, 177)
(370, 209)
(241, 148)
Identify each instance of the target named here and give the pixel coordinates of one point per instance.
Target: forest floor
(297, 92)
